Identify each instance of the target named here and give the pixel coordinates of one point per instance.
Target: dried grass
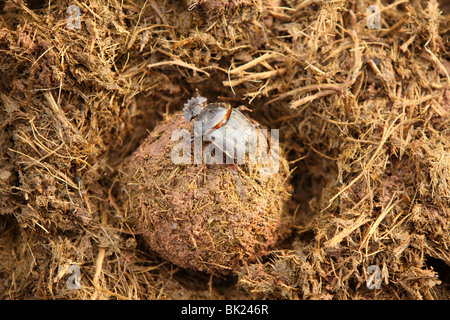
(363, 114)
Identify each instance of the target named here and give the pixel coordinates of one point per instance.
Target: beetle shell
(238, 127)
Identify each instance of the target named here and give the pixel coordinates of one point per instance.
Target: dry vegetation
(363, 116)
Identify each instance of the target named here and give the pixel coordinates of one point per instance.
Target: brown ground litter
(363, 116)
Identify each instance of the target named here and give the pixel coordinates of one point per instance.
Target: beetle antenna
(194, 106)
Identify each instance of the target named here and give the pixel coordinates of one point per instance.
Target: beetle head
(193, 107)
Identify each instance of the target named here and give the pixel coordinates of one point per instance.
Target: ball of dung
(194, 215)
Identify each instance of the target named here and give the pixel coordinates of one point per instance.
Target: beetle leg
(258, 126)
(238, 181)
(244, 108)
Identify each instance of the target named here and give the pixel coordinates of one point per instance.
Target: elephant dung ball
(194, 215)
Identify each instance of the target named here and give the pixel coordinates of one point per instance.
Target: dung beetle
(227, 128)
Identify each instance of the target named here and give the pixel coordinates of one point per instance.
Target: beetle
(224, 127)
